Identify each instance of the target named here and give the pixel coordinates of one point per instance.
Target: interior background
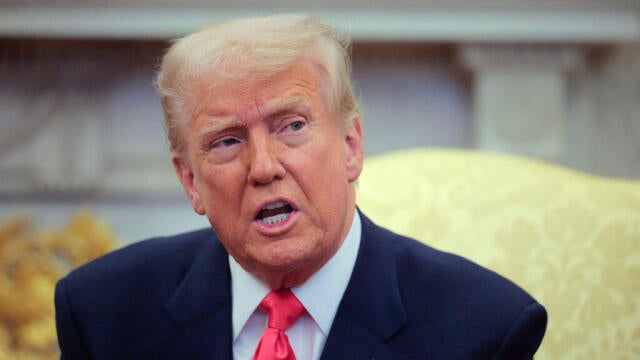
(81, 127)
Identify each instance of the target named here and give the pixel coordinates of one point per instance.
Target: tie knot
(283, 308)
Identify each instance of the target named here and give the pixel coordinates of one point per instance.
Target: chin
(283, 265)
(286, 264)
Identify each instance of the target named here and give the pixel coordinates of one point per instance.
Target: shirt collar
(320, 300)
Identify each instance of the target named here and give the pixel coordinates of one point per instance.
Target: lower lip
(278, 228)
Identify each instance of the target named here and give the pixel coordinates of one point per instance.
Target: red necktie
(284, 309)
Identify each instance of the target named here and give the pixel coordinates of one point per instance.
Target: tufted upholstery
(572, 240)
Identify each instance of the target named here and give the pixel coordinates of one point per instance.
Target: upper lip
(271, 201)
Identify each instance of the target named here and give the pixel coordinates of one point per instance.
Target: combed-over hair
(245, 50)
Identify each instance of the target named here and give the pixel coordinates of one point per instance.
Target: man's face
(273, 170)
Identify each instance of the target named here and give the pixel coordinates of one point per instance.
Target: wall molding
(454, 24)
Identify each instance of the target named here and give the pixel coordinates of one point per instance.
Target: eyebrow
(279, 106)
(219, 126)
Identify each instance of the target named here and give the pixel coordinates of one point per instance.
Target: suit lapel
(371, 310)
(201, 310)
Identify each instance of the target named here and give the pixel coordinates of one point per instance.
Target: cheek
(220, 189)
(326, 183)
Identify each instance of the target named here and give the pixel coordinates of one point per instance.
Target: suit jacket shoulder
(130, 302)
(408, 300)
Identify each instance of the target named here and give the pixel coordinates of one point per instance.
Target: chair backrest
(571, 240)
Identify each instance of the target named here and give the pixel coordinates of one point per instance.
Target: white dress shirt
(320, 294)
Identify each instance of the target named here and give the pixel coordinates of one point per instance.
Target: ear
(185, 174)
(355, 150)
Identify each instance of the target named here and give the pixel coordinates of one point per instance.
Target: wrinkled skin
(273, 142)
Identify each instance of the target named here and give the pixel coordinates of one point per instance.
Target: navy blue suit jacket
(170, 298)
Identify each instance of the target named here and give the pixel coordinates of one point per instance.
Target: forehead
(246, 92)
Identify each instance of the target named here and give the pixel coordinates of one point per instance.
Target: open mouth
(274, 213)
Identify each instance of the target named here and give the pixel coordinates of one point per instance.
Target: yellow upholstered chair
(572, 240)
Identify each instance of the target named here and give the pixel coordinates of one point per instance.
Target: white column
(519, 95)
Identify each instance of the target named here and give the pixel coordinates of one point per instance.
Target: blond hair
(245, 50)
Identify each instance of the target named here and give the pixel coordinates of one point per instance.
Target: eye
(295, 130)
(226, 142)
(296, 125)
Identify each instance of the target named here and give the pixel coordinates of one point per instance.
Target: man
(267, 142)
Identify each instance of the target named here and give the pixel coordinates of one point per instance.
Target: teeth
(274, 205)
(275, 219)
(274, 213)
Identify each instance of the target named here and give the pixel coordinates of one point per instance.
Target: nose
(264, 162)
